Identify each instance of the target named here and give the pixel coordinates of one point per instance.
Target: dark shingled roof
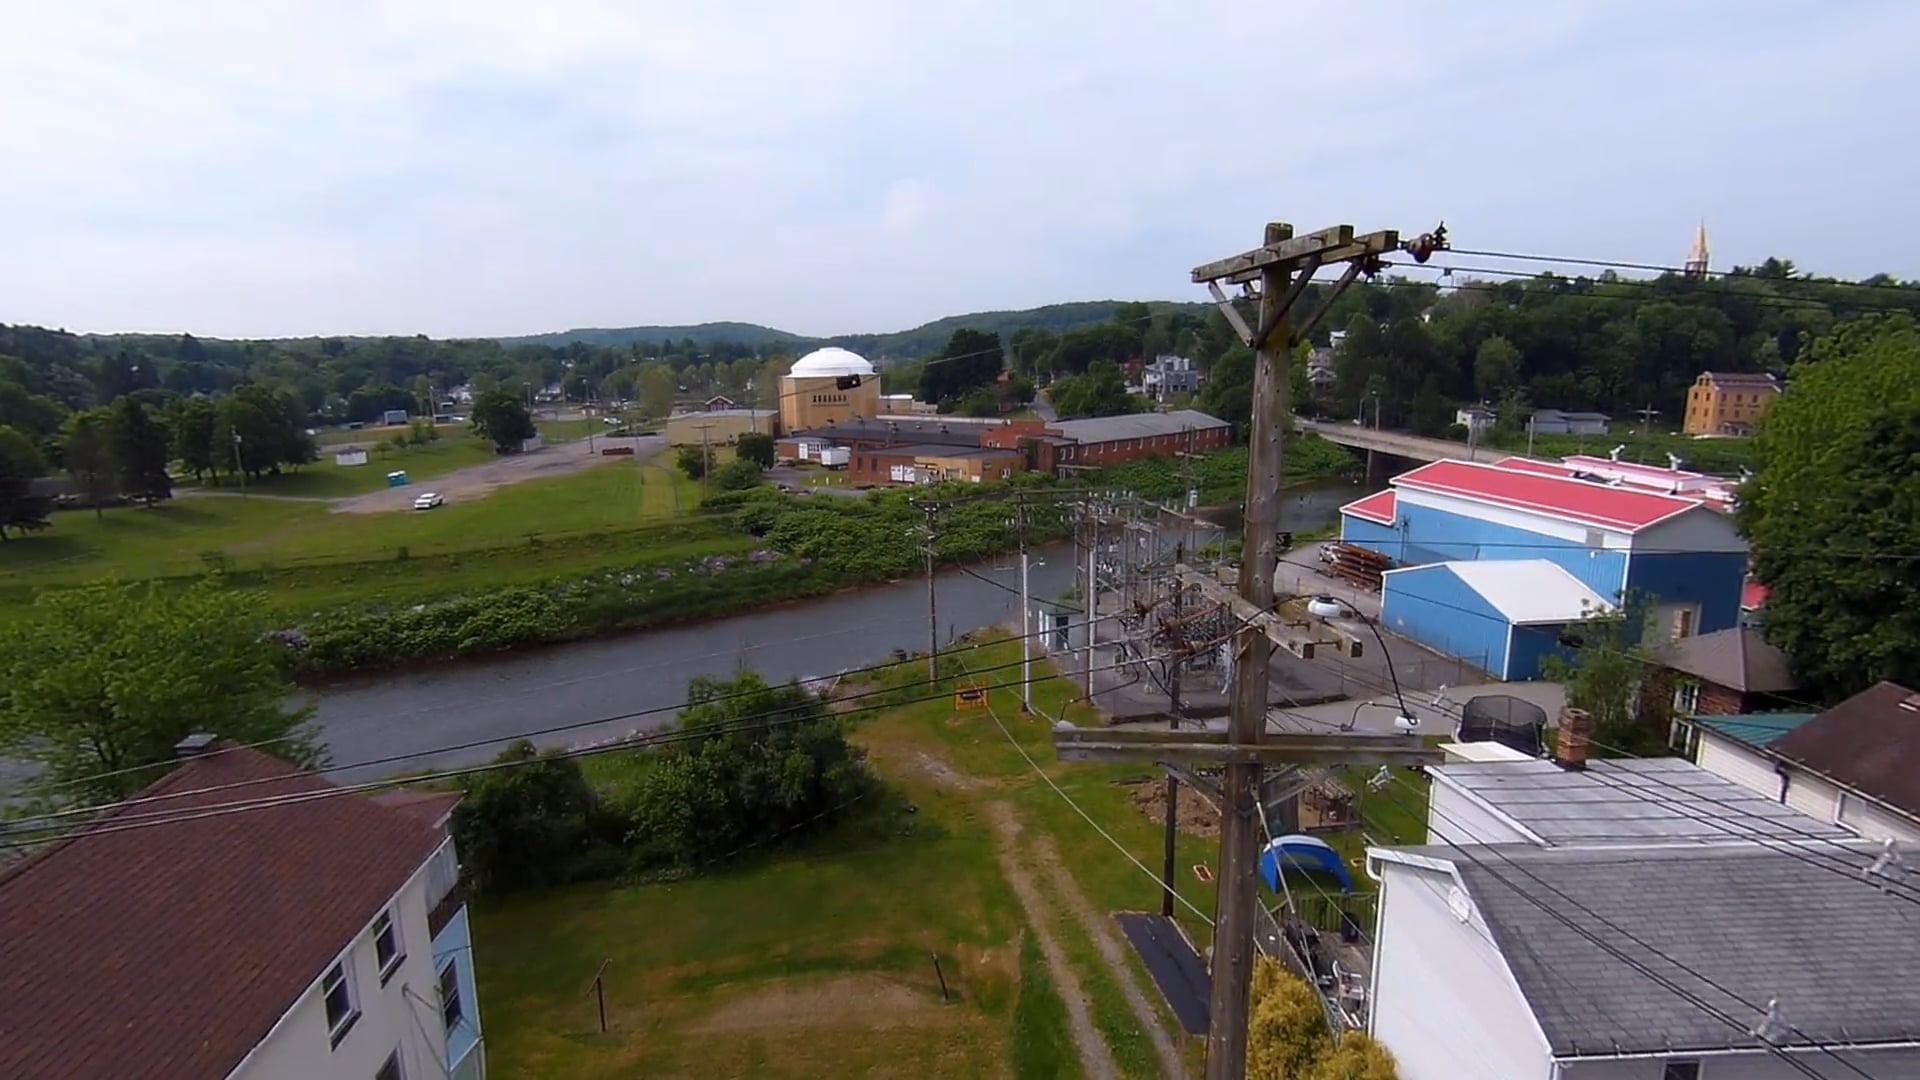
(1737, 658)
(170, 951)
(1871, 742)
(1734, 926)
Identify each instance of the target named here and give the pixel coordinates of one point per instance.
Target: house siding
(1868, 819)
(1730, 760)
(389, 1017)
(1443, 1000)
(1811, 795)
(1431, 605)
(464, 1057)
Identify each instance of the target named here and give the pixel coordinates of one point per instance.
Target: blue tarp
(1302, 852)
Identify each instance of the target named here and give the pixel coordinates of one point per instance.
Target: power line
(1636, 965)
(1618, 264)
(452, 748)
(125, 824)
(1714, 300)
(987, 699)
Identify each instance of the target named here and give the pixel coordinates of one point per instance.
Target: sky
(269, 168)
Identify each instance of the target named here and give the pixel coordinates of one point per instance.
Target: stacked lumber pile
(1358, 566)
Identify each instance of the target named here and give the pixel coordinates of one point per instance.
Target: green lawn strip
(1042, 1045)
(858, 901)
(1394, 815)
(140, 542)
(559, 431)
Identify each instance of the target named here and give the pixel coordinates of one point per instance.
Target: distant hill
(701, 333)
(922, 339)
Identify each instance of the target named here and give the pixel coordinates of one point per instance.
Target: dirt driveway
(478, 481)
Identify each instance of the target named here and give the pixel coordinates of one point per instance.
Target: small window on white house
(450, 1006)
(386, 945)
(392, 1068)
(342, 1009)
(1681, 1070)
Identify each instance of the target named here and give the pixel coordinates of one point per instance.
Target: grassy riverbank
(1222, 475)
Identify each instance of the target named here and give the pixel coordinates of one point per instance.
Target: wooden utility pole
(933, 619)
(1282, 265)
(706, 461)
(1167, 854)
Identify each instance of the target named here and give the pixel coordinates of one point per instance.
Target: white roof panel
(1530, 591)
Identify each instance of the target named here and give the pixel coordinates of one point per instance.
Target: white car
(427, 500)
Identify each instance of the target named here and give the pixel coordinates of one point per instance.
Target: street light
(1327, 606)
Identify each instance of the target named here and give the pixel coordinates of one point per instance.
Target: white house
(1856, 765)
(320, 938)
(1633, 920)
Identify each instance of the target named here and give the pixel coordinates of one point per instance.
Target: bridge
(1399, 444)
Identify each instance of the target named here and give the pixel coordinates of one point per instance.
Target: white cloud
(447, 167)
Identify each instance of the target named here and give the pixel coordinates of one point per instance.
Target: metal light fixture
(1325, 607)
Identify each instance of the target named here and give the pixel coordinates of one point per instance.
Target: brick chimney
(1576, 731)
(194, 745)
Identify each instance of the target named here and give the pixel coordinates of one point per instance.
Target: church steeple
(1697, 257)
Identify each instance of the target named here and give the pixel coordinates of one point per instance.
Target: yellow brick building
(1728, 403)
(811, 394)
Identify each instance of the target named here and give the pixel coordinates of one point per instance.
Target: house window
(450, 1007)
(392, 1069)
(386, 945)
(1686, 698)
(1681, 1070)
(342, 1010)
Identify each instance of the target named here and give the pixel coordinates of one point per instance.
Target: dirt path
(1113, 952)
(479, 481)
(1095, 1058)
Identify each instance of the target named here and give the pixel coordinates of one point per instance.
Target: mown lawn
(816, 959)
(456, 449)
(308, 557)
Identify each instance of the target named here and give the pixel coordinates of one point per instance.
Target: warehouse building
(932, 464)
(1602, 541)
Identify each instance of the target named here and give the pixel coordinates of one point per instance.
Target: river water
(579, 683)
(587, 685)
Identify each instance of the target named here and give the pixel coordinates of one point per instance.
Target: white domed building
(828, 386)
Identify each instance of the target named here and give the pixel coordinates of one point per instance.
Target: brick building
(929, 463)
(1728, 402)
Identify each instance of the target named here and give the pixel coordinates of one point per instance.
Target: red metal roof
(168, 952)
(1581, 501)
(1753, 595)
(1544, 468)
(1376, 507)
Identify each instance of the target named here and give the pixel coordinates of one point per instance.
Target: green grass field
(326, 480)
(816, 959)
(309, 557)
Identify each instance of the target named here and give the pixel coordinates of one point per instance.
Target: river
(389, 714)
(416, 713)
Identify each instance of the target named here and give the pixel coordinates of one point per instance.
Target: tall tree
(140, 454)
(500, 416)
(971, 359)
(756, 447)
(184, 661)
(193, 422)
(1835, 505)
(20, 509)
(656, 387)
(1102, 391)
(88, 456)
(1496, 367)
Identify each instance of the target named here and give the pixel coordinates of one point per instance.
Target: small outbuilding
(1505, 615)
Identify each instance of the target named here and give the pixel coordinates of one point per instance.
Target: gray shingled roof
(1733, 926)
(1136, 426)
(1737, 658)
(1634, 800)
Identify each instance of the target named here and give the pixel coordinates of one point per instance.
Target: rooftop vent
(194, 745)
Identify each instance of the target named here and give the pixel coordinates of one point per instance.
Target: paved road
(1043, 408)
(479, 481)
